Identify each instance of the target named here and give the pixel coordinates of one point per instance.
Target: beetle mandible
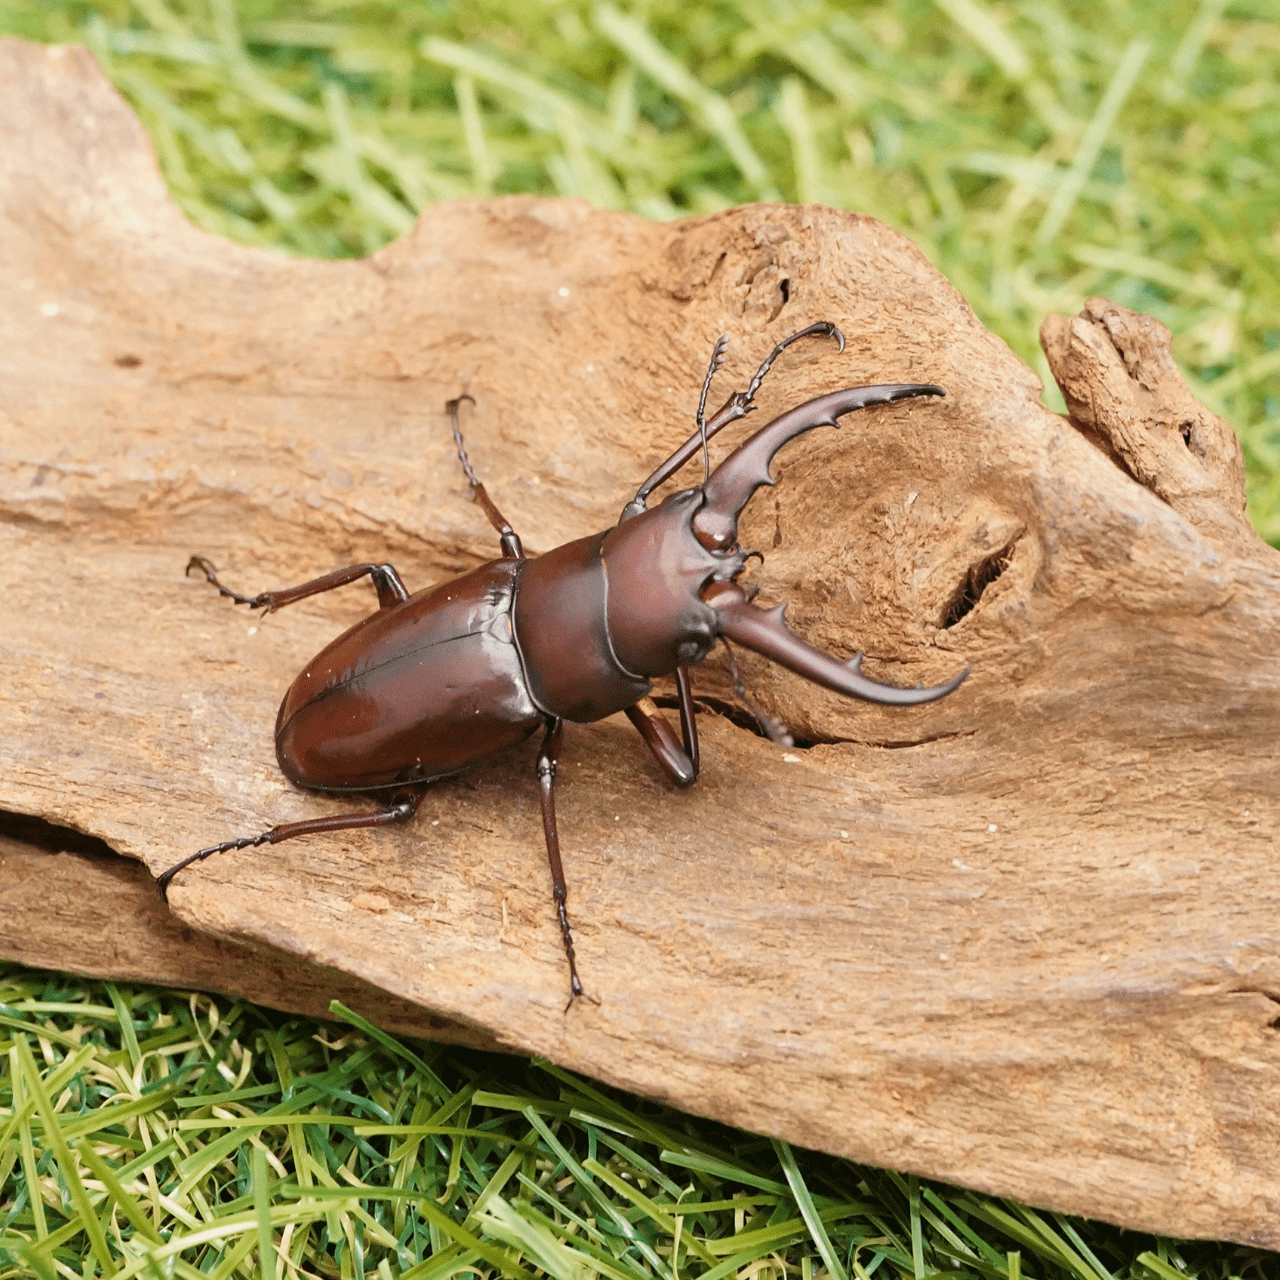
(437, 681)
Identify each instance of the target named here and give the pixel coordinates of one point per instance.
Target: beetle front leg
(404, 805)
(738, 405)
(680, 765)
(547, 759)
(386, 581)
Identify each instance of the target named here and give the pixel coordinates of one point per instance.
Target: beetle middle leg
(404, 804)
(548, 756)
(391, 591)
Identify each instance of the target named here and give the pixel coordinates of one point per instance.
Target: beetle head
(672, 571)
(657, 569)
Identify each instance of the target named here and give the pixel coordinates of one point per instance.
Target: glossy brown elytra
(434, 682)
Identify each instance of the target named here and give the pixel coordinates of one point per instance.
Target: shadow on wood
(1022, 939)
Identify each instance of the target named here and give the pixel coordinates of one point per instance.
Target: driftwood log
(1024, 939)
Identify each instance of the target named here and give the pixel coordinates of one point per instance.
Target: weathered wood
(1023, 939)
(99, 915)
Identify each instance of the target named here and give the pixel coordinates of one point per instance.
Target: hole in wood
(1274, 1024)
(974, 583)
(51, 837)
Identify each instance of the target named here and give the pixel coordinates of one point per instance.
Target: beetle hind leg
(403, 806)
(386, 581)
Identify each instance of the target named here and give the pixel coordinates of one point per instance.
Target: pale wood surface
(101, 916)
(1024, 939)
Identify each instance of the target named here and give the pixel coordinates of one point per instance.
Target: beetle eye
(691, 651)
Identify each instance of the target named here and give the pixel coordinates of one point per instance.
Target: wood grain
(1024, 939)
(99, 915)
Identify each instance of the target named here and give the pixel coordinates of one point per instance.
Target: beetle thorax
(657, 571)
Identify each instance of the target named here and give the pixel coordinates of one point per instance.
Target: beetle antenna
(717, 359)
(770, 726)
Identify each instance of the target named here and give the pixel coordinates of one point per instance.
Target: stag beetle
(440, 680)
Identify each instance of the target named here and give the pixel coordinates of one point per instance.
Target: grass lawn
(1039, 152)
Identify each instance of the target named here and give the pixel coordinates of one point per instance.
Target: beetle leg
(511, 548)
(688, 725)
(773, 728)
(547, 758)
(386, 581)
(823, 329)
(403, 806)
(681, 765)
(736, 406)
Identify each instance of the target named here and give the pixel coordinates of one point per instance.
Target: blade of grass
(648, 54)
(123, 1201)
(1091, 143)
(34, 1085)
(808, 1211)
(262, 1212)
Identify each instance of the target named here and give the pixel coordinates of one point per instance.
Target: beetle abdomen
(413, 692)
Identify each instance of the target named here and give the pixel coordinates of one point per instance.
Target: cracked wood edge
(98, 915)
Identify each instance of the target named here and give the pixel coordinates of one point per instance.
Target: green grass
(1038, 152)
(188, 1136)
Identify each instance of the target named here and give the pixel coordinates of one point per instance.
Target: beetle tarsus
(823, 329)
(211, 573)
(575, 983)
(770, 726)
(244, 842)
(548, 755)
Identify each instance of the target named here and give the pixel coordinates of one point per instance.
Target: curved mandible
(764, 632)
(729, 487)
